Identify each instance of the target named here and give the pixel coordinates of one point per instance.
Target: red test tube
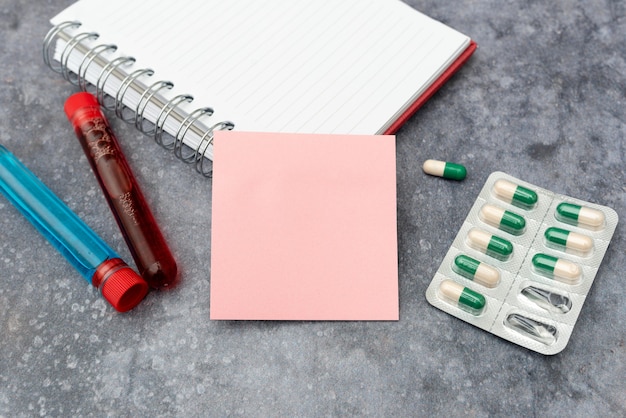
(134, 218)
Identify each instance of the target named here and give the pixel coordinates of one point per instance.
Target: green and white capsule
(582, 216)
(491, 245)
(515, 194)
(569, 241)
(556, 268)
(473, 269)
(444, 169)
(462, 297)
(503, 219)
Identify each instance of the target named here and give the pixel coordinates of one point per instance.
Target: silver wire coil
(110, 66)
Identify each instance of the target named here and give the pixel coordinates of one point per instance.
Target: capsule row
(473, 302)
(556, 238)
(549, 266)
(488, 276)
(570, 213)
(501, 248)
(559, 269)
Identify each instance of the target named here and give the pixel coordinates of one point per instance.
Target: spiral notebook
(182, 70)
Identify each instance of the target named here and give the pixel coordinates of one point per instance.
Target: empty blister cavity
(479, 272)
(556, 268)
(537, 330)
(492, 245)
(515, 194)
(549, 300)
(582, 216)
(462, 297)
(502, 219)
(568, 241)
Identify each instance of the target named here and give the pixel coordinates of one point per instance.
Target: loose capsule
(514, 194)
(444, 169)
(503, 219)
(475, 270)
(462, 297)
(580, 215)
(491, 245)
(569, 240)
(558, 268)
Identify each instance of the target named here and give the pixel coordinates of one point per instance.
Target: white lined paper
(285, 66)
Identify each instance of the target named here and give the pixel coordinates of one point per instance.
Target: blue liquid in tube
(97, 263)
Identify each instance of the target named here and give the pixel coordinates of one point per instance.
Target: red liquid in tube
(134, 218)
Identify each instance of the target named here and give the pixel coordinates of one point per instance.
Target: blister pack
(523, 263)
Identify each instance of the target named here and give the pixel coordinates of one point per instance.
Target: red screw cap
(124, 289)
(78, 101)
(119, 284)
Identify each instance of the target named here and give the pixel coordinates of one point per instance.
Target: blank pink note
(304, 227)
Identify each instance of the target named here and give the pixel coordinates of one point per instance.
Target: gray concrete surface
(542, 99)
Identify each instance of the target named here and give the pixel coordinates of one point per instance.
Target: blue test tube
(87, 252)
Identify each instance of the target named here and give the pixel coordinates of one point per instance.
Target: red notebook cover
(456, 65)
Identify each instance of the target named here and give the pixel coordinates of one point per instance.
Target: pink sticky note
(304, 227)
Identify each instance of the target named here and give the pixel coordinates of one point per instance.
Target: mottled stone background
(542, 99)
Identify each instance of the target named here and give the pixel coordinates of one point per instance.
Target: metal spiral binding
(119, 97)
(88, 59)
(104, 76)
(206, 141)
(182, 130)
(47, 42)
(164, 114)
(145, 98)
(69, 47)
(148, 94)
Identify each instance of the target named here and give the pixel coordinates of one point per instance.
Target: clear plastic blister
(523, 262)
